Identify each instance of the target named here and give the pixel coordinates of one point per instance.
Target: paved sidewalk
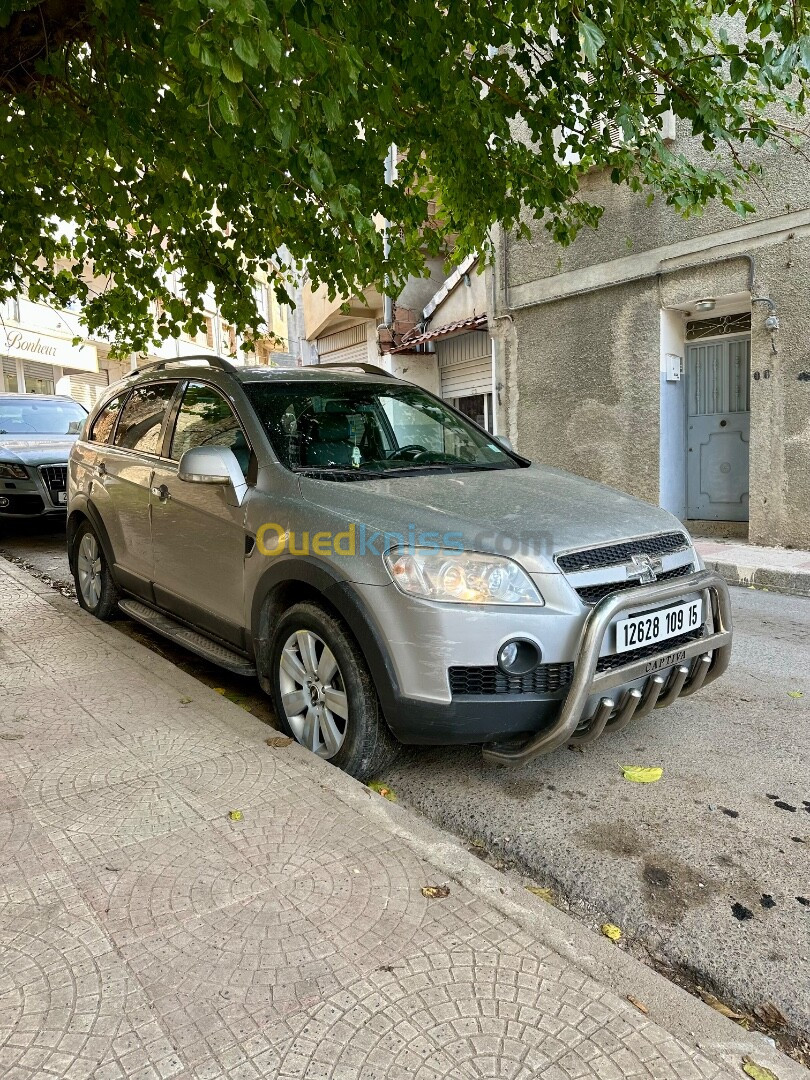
(146, 934)
(780, 569)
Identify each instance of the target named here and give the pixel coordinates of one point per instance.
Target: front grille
(613, 554)
(20, 504)
(610, 663)
(545, 679)
(54, 477)
(592, 594)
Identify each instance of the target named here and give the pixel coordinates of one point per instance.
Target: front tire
(324, 695)
(96, 590)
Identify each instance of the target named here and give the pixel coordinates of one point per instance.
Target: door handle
(161, 493)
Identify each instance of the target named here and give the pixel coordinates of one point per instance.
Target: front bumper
(36, 496)
(688, 667)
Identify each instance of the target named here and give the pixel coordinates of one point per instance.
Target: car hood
(529, 514)
(36, 450)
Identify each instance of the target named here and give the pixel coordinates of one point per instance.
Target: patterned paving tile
(68, 1007)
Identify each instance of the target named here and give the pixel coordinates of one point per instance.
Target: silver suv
(390, 571)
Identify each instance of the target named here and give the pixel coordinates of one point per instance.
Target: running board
(189, 639)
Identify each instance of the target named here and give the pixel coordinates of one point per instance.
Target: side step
(188, 638)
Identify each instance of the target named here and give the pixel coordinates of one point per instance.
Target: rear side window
(142, 418)
(206, 419)
(104, 423)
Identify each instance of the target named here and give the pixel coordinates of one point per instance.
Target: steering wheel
(411, 448)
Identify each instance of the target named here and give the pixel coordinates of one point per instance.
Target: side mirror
(507, 443)
(213, 465)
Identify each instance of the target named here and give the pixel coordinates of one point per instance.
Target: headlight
(13, 472)
(464, 577)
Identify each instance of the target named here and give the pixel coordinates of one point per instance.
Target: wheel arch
(291, 580)
(88, 512)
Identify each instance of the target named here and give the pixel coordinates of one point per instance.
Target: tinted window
(142, 417)
(39, 416)
(105, 421)
(361, 430)
(206, 419)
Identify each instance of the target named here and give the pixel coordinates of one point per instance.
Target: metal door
(718, 422)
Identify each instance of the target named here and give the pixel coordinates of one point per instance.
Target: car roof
(205, 366)
(8, 396)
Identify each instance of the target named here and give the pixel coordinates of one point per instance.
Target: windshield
(32, 416)
(355, 431)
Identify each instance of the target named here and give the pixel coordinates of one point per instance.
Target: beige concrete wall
(580, 362)
(581, 372)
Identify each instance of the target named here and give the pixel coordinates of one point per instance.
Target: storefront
(35, 362)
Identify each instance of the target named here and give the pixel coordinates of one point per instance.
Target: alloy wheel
(88, 564)
(313, 693)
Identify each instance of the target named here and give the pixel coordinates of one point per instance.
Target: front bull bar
(713, 653)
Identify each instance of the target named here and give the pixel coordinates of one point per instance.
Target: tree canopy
(202, 136)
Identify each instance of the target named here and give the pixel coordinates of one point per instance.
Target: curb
(791, 582)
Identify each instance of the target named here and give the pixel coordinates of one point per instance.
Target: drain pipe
(388, 300)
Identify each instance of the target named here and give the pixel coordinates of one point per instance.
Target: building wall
(582, 333)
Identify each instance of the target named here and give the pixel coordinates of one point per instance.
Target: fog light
(3, 501)
(518, 657)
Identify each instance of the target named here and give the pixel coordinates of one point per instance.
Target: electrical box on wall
(673, 367)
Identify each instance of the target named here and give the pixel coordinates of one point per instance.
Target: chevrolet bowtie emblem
(645, 568)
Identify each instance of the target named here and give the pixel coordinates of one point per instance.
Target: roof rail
(214, 361)
(369, 369)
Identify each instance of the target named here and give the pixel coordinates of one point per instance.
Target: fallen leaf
(719, 1006)
(185, 700)
(544, 894)
(610, 930)
(435, 892)
(759, 1072)
(219, 689)
(641, 775)
(235, 815)
(10, 736)
(642, 1008)
(279, 740)
(768, 1014)
(795, 693)
(382, 789)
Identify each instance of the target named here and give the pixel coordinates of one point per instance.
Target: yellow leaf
(795, 693)
(544, 894)
(642, 1008)
(641, 775)
(718, 1006)
(219, 689)
(758, 1072)
(235, 815)
(611, 931)
(383, 789)
(435, 892)
(278, 740)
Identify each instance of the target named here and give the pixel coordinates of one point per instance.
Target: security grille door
(718, 423)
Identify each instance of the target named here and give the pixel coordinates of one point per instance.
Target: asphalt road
(707, 871)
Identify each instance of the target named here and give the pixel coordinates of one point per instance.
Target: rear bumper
(687, 668)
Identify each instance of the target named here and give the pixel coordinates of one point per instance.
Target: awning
(47, 349)
(463, 326)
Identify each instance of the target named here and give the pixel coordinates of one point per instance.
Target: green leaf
(247, 52)
(228, 109)
(271, 47)
(591, 39)
(737, 69)
(639, 774)
(231, 68)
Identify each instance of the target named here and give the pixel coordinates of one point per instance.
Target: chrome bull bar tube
(713, 652)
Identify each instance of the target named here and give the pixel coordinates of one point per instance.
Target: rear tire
(323, 693)
(96, 590)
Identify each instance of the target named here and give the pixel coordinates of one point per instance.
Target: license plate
(61, 496)
(658, 625)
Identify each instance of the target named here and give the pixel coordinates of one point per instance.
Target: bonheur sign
(47, 349)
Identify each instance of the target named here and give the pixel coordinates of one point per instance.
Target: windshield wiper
(322, 471)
